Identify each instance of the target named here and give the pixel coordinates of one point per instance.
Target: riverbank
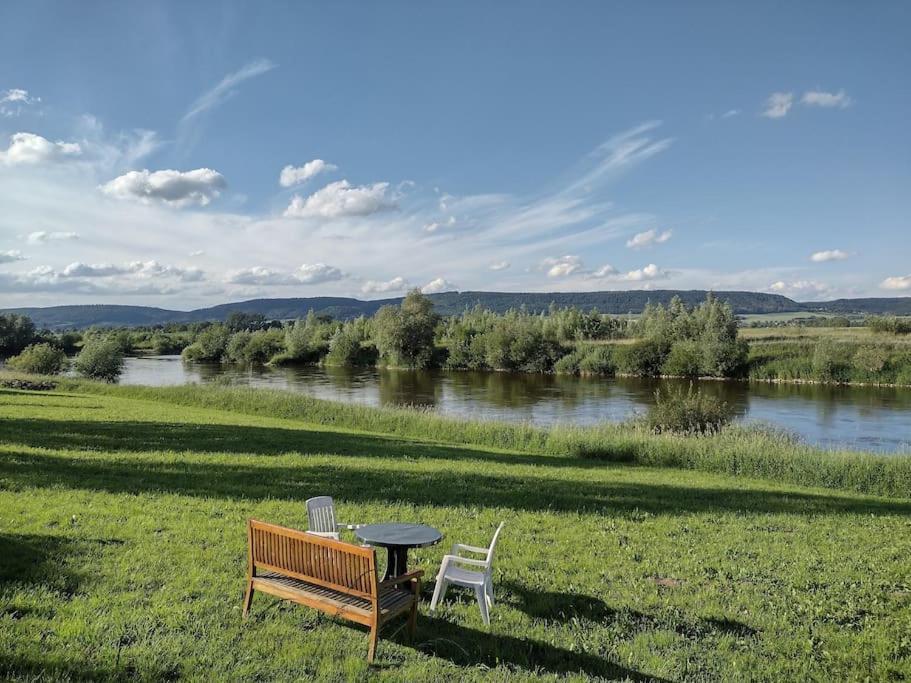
(740, 451)
(127, 553)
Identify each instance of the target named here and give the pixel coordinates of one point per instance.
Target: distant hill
(446, 303)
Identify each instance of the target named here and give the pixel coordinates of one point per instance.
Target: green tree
(16, 332)
(404, 335)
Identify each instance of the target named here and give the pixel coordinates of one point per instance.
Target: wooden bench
(332, 576)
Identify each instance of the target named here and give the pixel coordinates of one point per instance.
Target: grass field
(122, 553)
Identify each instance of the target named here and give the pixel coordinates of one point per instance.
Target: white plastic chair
(480, 580)
(321, 518)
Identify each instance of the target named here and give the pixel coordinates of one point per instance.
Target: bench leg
(248, 598)
(374, 638)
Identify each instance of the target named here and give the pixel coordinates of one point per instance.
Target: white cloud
(78, 269)
(896, 282)
(225, 87)
(499, 265)
(438, 285)
(778, 105)
(829, 255)
(307, 274)
(140, 269)
(649, 272)
(10, 256)
(340, 199)
(315, 273)
(14, 100)
(820, 98)
(604, 271)
(729, 113)
(259, 275)
(176, 188)
(42, 236)
(198, 252)
(396, 284)
(292, 175)
(28, 148)
(563, 266)
(648, 238)
(798, 288)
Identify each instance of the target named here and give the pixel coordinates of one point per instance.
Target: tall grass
(738, 450)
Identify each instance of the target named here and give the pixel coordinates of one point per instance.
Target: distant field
(779, 317)
(846, 334)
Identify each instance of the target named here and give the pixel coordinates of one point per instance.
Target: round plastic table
(397, 539)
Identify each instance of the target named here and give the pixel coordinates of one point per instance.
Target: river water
(863, 418)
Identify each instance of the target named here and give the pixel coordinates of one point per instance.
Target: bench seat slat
(391, 601)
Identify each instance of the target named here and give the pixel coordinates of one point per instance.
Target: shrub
(40, 359)
(871, 359)
(307, 340)
(599, 360)
(829, 363)
(642, 358)
(686, 411)
(254, 347)
(210, 344)
(100, 358)
(684, 360)
(569, 364)
(346, 348)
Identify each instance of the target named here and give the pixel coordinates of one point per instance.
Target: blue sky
(498, 146)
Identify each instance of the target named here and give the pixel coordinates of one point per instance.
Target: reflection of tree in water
(515, 389)
(409, 387)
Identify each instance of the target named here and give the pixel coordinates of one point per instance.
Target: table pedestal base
(397, 563)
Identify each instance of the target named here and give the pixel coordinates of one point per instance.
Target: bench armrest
(456, 547)
(404, 578)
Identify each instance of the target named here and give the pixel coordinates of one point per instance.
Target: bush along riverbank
(664, 341)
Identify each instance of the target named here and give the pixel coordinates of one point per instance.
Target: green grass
(122, 551)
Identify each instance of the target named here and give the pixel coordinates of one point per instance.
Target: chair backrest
(493, 544)
(323, 561)
(321, 515)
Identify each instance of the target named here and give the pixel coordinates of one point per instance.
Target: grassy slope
(122, 553)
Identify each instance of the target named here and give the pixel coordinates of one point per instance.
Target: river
(862, 418)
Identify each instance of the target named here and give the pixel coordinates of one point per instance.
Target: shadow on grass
(45, 668)
(390, 481)
(35, 559)
(568, 607)
(471, 647)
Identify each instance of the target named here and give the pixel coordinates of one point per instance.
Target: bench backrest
(323, 561)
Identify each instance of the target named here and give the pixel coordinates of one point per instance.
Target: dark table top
(399, 535)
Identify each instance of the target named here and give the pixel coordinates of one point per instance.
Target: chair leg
(374, 638)
(489, 592)
(439, 592)
(481, 595)
(248, 599)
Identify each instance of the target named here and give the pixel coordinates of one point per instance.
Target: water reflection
(869, 418)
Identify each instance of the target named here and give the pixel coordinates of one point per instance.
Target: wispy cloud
(226, 87)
